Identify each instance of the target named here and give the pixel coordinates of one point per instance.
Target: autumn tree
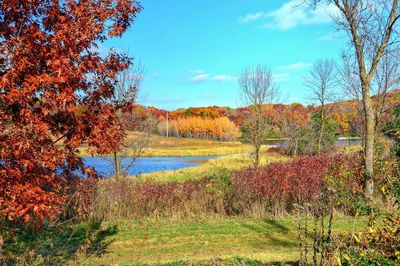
(55, 91)
(322, 83)
(257, 88)
(371, 27)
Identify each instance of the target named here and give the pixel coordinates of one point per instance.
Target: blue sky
(194, 50)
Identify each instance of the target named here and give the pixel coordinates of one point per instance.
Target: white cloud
(196, 71)
(293, 14)
(199, 78)
(281, 77)
(333, 36)
(251, 17)
(223, 78)
(294, 67)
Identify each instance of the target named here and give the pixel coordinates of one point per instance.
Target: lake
(104, 165)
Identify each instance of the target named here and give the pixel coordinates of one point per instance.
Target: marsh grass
(210, 168)
(171, 147)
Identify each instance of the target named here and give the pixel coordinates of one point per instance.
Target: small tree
(322, 84)
(133, 145)
(257, 88)
(126, 90)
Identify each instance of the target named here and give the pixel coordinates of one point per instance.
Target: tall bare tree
(370, 26)
(322, 83)
(257, 88)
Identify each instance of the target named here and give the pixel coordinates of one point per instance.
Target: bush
(125, 198)
(346, 181)
(276, 187)
(268, 191)
(277, 150)
(304, 140)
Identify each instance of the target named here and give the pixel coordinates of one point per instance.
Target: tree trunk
(116, 165)
(257, 156)
(321, 132)
(369, 142)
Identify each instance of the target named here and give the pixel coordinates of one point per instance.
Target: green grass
(170, 240)
(198, 240)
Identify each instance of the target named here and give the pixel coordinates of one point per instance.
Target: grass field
(204, 239)
(163, 146)
(171, 241)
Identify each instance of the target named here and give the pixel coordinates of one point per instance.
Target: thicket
(268, 191)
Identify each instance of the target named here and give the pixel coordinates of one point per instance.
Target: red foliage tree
(54, 89)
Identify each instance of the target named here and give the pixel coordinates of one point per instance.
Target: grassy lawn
(165, 241)
(210, 168)
(163, 146)
(196, 239)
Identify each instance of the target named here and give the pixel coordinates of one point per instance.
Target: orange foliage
(53, 85)
(196, 127)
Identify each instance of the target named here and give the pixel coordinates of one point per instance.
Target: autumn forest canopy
(253, 170)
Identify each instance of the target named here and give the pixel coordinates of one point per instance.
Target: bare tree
(128, 84)
(257, 88)
(322, 84)
(370, 26)
(386, 79)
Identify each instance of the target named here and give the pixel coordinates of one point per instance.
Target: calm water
(144, 165)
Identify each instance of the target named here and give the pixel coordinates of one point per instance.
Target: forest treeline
(225, 123)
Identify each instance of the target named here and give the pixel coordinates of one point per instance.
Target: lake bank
(160, 146)
(144, 165)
